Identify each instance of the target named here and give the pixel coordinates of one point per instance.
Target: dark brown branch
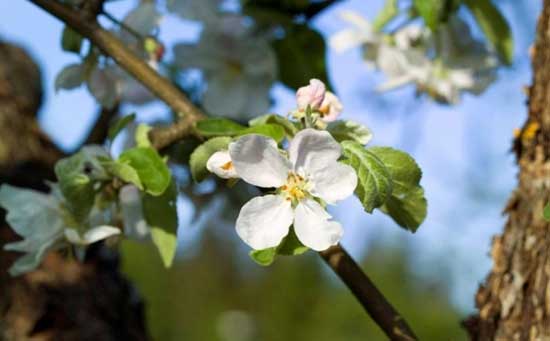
(336, 257)
(374, 302)
(98, 133)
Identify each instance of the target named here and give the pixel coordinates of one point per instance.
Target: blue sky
(463, 150)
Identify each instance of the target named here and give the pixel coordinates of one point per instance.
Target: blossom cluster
(441, 64)
(302, 179)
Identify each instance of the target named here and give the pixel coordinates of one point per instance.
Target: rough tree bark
(63, 300)
(514, 301)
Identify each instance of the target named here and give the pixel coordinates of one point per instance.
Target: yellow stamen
(227, 166)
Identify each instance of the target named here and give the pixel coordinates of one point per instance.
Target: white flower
(311, 95)
(91, 236)
(239, 68)
(220, 164)
(359, 34)
(311, 171)
(331, 107)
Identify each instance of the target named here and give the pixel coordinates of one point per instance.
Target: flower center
(227, 166)
(296, 187)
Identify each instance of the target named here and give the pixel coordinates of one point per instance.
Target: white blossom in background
(442, 65)
(220, 164)
(311, 172)
(105, 80)
(238, 66)
(91, 236)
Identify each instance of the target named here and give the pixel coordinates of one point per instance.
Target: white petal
(331, 107)
(258, 161)
(264, 221)
(99, 233)
(311, 95)
(312, 148)
(313, 228)
(220, 164)
(347, 39)
(357, 20)
(333, 182)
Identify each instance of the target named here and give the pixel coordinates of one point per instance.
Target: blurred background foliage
(214, 295)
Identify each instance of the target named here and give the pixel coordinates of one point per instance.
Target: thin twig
(374, 302)
(336, 257)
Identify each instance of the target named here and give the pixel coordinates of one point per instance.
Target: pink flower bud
(331, 107)
(311, 95)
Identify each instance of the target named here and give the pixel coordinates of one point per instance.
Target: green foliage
(77, 175)
(119, 125)
(223, 282)
(201, 154)
(349, 130)
(546, 212)
(290, 246)
(288, 126)
(36, 217)
(301, 56)
(388, 179)
(70, 77)
(161, 216)
(264, 257)
(407, 205)
(142, 135)
(388, 12)
(374, 184)
(430, 11)
(223, 127)
(71, 41)
(153, 172)
(124, 172)
(495, 27)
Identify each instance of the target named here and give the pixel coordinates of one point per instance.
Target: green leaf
(289, 127)
(224, 127)
(301, 56)
(161, 215)
(430, 11)
(71, 41)
(349, 130)
(201, 154)
(151, 169)
(274, 131)
(407, 204)
(291, 246)
(495, 27)
(218, 127)
(374, 180)
(118, 125)
(142, 135)
(35, 216)
(76, 175)
(546, 212)
(264, 257)
(388, 12)
(70, 77)
(124, 172)
(408, 209)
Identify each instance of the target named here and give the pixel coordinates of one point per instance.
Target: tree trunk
(514, 301)
(63, 300)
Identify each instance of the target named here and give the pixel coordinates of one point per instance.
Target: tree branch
(336, 257)
(111, 46)
(374, 302)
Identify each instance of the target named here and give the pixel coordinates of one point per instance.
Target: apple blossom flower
(311, 95)
(331, 107)
(309, 173)
(220, 164)
(238, 65)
